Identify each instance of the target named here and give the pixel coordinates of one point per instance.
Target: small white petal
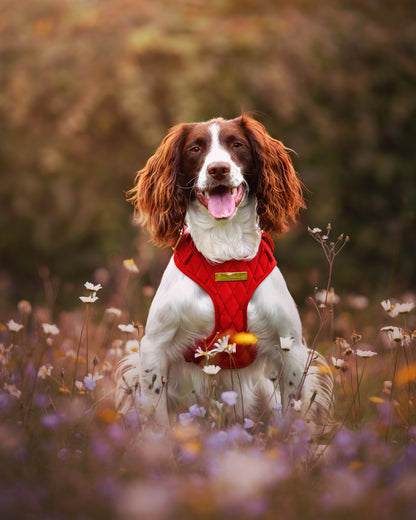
(365, 353)
(211, 369)
(91, 287)
(126, 328)
(50, 329)
(89, 299)
(402, 308)
(113, 311)
(297, 405)
(338, 363)
(13, 326)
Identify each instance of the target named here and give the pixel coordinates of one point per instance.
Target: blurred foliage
(89, 88)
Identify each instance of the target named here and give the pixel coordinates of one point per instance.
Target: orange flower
(107, 415)
(406, 374)
(375, 399)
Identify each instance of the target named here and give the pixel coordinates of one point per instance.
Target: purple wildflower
(197, 411)
(229, 397)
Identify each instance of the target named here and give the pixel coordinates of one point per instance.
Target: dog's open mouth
(221, 201)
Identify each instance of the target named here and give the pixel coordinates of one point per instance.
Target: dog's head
(219, 164)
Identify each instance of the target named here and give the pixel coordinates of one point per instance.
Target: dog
(215, 191)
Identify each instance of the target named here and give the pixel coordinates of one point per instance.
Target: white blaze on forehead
(218, 153)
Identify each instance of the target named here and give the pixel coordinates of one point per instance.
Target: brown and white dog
(231, 182)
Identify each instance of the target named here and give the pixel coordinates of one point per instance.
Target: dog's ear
(278, 187)
(157, 195)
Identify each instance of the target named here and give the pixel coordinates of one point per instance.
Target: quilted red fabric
(230, 297)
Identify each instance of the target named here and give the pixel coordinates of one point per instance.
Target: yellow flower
(245, 338)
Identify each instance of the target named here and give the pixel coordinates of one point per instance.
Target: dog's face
(217, 163)
(218, 159)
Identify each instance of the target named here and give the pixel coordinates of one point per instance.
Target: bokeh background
(89, 89)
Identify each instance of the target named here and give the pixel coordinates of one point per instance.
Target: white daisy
(211, 370)
(50, 329)
(132, 346)
(45, 370)
(130, 265)
(365, 353)
(91, 287)
(89, 299)
(126, 328)
(113, 311)
(338, 363)
(13, 326)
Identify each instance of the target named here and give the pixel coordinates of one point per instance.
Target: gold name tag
(231, 277)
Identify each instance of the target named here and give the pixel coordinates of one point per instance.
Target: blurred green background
(89, 89)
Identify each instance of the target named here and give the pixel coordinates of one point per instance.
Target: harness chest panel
(230, 285)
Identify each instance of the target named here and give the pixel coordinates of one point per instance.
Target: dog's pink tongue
(221, 203)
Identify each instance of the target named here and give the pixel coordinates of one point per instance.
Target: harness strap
(230, 285)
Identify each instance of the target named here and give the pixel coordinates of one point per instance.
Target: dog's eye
(195, 149)
(237, 144)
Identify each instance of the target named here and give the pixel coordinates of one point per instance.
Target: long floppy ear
(157, 195)
(278, 188)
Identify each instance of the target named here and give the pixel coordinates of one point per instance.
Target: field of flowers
(65, 452)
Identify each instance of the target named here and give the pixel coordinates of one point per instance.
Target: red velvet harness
(230, 286)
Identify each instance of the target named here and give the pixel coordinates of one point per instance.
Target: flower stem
(77, 358)
(88, 308)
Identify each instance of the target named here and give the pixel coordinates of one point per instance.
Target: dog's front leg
(153, 381)
(294, 365)
(142, 378)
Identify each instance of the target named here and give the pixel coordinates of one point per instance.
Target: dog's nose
(219, 170)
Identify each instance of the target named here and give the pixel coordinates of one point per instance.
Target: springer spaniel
(215, 191)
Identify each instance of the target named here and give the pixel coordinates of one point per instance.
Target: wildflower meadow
(88, 90)
(66, 453)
